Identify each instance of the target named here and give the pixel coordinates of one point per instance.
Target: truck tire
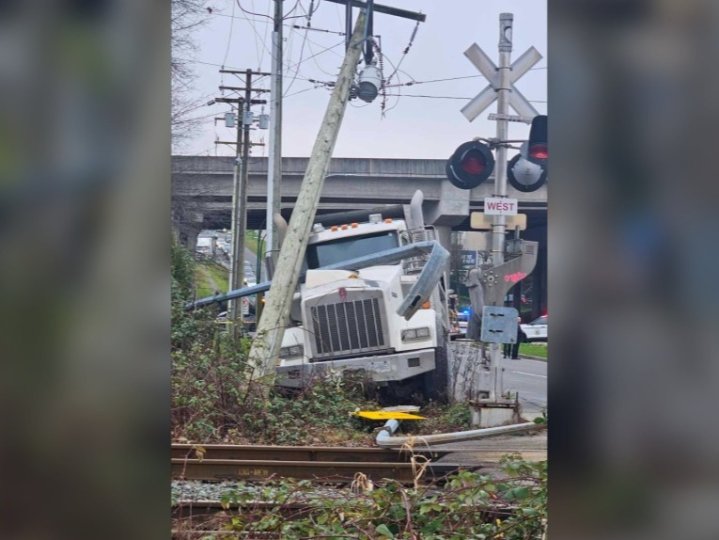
(407, 392)
(436, 382)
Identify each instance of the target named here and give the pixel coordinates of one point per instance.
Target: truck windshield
(342, 249)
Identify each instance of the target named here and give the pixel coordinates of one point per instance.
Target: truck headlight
(293, 351)
(415, 333)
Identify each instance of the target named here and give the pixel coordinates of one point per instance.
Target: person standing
(511, 350)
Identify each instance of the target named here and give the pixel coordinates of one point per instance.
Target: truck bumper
(385, 368)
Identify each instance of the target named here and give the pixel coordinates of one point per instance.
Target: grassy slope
(251, 242)
(533, 349)
(210, 277)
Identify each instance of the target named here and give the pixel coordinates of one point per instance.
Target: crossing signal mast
(471, 164)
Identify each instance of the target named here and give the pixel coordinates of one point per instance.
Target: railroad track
(205, 519)
(321, 464)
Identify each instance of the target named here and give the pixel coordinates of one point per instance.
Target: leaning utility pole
(266, 346)
(274, 156)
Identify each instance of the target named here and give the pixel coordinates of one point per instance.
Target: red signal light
(539, 151)
(473, 164)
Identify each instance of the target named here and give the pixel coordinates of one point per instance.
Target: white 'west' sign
(500, 206)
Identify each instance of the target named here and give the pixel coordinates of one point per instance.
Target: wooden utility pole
(266, 346)
(239, 189)
(274, 156)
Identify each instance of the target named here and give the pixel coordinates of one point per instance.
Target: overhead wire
(248, 12)
(413, 82)
(308, 15)
(260, 41)
(314, 59)
(284, 17)
(404, 53)
(229, 38)
(257, 34)
(453, 97)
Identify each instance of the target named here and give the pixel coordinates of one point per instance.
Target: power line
(309, 46)
(308, 14)
(303, 91)
(258, 39)
(413, 82)
(284, 18)
(406, 50)
(297, 66)
(451, 97)
(286, 25)
(248, 12)
(328, 48)
(229, 38)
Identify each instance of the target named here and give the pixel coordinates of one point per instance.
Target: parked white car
(536, 330)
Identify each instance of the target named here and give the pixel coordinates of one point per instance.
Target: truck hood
(321, 282)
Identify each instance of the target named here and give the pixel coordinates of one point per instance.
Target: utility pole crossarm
(241, 100)
(242, 72)
(241, 89)
(387, 10)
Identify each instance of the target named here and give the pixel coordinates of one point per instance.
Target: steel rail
(319, 471)
(295, 453)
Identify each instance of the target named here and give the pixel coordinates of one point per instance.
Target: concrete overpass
(202, 190)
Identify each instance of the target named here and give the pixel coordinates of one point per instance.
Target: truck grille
(346, 328)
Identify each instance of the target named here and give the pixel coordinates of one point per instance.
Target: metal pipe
(385, 433)
(384, 439)
(389, 256)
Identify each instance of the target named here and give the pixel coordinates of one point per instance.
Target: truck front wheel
(436, 382)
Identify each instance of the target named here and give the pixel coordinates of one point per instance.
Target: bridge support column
(186, 227)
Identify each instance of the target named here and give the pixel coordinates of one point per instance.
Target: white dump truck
(356, 311)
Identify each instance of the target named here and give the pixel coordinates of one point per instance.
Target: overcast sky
(412, 127)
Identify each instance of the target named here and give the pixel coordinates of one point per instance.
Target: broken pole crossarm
(270, 331)
(231, 295)
(389, 256)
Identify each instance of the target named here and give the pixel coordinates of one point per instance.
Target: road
(529, 378)
(251, 266)
(526, 376)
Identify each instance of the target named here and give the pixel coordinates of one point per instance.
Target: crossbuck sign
(486, 97)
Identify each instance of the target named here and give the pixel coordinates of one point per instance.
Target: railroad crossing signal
(486, 97)
(527, 171)
(471, 164)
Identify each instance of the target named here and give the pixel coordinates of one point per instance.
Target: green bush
(471, 506)
(213, 399)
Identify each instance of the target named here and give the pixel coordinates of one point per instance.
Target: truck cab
(347, 321)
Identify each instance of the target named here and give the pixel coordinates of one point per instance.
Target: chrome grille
(346, 328)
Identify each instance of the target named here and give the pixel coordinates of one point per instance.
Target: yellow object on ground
(388, 415)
